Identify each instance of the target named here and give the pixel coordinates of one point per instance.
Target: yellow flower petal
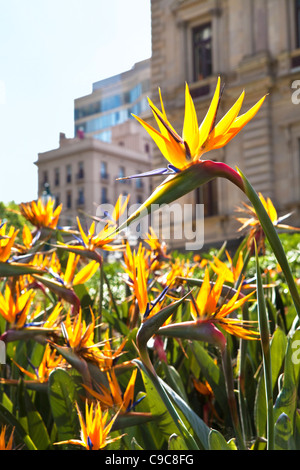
(85, 273)
(208, 121)
(190, 133)
(172, 151)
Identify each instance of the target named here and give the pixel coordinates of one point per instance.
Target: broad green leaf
(7, 418)
(176, 443)
(111, 318)
(212, 373)
(36, 426)
(135, 445)
(278, 351)
(286, 401)
(170, 421)
(150, 436)
(174, 380)
(196, 424)
(284, 433)
(85, 299)
(63, 396)
(297, 430)
(218, 442)
(158, 409)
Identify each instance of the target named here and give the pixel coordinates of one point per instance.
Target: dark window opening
(297, 17)
(80, 174)
(202, 52)
(103, 170)
(80, 200)
(56, 177)
(208, 196)
(104, 199)
(69, 174)
(69, 200)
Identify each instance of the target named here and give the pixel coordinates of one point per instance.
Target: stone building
(253, 45)
(82, 173)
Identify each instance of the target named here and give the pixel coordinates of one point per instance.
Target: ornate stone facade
(253, 45)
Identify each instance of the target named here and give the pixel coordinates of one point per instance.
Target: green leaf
(18, 269)
(218, 442)
(286, 401)
(7, 418)
(169, 420)
(196, 424)
(158, 408)
(212, 372)
(266, 354)
(85, 299)
(36, 426)
(135, 445)
(176, 186)
(176, 443)
(284, 433)
(63, 395)
(278, 350)
(174, 380)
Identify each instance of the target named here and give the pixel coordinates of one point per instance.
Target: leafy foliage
(160, 381)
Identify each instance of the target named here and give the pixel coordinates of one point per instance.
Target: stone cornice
(76, 146)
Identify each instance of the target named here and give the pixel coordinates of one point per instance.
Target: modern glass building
(112, 102)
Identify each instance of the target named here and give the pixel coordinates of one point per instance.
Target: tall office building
(112, 102)
(252, 45)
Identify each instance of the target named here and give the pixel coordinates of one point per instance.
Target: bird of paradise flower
(95, 428)
(186, 170)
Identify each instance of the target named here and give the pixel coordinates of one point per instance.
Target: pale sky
(51, 52)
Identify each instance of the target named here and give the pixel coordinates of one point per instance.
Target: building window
(103, 170)
(69, 199)
(45, 177)
(202, 51)
(69, 173)
(80, 174)
(139, 182)
(57, 200)
(104, 199)
(80, 200)
(297, 16)
(56, 177)
(122, 174)
(207, 195)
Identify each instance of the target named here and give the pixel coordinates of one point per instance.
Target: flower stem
(227, 368)
(265, 345)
